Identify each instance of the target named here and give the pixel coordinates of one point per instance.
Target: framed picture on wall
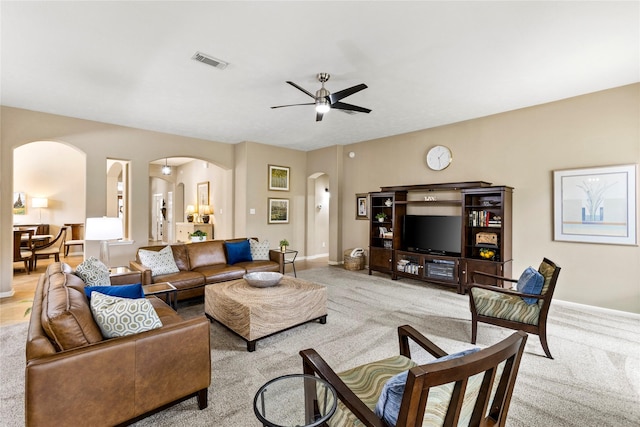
(19, 203)
(595, 205)
(278, 178)
(202, 195)
(362, 206)
(278, 211)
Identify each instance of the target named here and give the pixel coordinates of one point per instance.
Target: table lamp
(103, 229)
(40, 202)
(190, 211)
(205, 210)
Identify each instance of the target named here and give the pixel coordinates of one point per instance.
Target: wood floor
(12, 309)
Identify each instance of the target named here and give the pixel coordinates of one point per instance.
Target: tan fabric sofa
(75, 377)
(201, 264)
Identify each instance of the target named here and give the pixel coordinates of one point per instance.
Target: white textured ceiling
(426, 63)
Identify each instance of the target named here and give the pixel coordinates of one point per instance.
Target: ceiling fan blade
(319, 116)
(335, 97)
(293, 105)
(302, 89)
(350, 107)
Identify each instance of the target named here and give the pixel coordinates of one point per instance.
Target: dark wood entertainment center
(486, 212)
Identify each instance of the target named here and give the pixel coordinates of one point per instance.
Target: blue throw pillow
(238, 252)
(388, 406)
(530, 282)
(123, 291)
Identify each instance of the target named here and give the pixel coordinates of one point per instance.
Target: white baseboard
(7, 294)
(586, 307)
(315, 256)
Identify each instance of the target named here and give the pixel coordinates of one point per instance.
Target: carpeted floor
(594, 379)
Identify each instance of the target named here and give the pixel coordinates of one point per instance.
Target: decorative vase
(198, 238)
(205, 219)
(283, 248)
(189, 218)
(388, 202)
(380, 219)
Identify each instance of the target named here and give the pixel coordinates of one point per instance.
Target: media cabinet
(485, 233)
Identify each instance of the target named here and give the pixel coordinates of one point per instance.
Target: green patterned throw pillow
(259, 250)
(160, 262)
(93, 272)
(119, 317)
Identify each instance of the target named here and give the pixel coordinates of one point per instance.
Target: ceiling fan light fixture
(322, 106)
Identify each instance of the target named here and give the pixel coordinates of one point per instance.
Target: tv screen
(438, 235)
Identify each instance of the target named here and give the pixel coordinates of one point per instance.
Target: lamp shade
(191, 209)
(39, 202)
(103, 228)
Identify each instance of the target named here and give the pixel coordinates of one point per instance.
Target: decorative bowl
(263, 279)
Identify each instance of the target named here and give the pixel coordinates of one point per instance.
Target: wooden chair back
(22, 249)
(498, 365)
(474, 389)
(19, 244)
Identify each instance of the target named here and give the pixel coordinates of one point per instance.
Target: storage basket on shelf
(355, 262)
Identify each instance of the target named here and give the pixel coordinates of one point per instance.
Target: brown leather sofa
(75, 377)
(201, 264)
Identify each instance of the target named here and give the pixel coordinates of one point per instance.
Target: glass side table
(296, 400)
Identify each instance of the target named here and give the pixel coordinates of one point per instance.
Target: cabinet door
(380, 259)
(183, 231)
(489, 267)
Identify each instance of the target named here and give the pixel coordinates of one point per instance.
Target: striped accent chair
(506, 308)
(473, 389)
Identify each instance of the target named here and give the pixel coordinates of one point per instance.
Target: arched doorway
(40, 171)
(177, 190)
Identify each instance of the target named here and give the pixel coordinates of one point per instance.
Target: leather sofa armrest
(146, 278)
(129, 376)
(277, 256)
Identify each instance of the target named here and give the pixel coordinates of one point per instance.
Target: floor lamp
(103, 229)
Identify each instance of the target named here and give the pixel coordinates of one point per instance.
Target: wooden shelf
(447, 186)
(432, 202)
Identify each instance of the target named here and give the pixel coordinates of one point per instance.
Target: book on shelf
(484, 219)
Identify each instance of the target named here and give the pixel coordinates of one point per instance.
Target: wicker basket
(353, 263)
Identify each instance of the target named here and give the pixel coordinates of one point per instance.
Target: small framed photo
(362, 206)
(19, 203)
(278, 211)
(595, 205)
(278, 178)
(202, 195)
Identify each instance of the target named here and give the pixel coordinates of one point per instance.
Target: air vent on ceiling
(209, 60)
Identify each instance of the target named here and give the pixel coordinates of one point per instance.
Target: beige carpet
(593, 381)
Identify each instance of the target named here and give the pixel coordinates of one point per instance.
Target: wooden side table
(124, 276)
(163, 288)
(287, 257)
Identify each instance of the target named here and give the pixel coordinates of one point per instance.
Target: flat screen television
(433, 234)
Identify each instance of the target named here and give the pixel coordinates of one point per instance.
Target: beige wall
(519, 148)
(98, 141)
(252, 169)
(522, 149)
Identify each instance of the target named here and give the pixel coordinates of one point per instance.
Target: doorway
(318, 208)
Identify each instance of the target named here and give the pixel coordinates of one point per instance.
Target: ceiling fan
(325, 100)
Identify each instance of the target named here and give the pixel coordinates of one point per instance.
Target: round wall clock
(439, 157)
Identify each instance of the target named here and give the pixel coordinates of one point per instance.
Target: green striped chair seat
(502, 306)
(367, 381)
